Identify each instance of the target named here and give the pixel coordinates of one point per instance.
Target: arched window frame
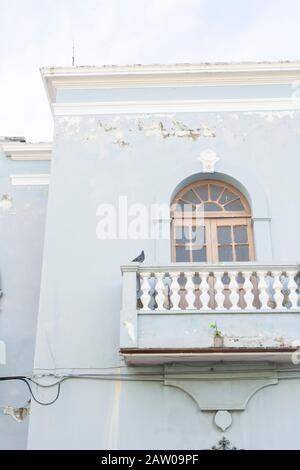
(213, 222)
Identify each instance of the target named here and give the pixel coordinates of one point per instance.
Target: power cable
(26, 381)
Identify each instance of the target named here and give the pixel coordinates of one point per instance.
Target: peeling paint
(107, 127)
(70, 125)
(18, 414)
(258, 341)
(6, 202)
(178, 129)
(130, 330)
(151, 127)
(121, 143)
(122, 132)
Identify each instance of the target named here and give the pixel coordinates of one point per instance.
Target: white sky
(35, 33)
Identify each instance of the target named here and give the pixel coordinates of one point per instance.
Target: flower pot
(218, 341)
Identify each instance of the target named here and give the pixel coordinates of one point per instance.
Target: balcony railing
(221, 288)
(173, 306)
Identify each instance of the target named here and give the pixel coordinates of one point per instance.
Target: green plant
(214, 326)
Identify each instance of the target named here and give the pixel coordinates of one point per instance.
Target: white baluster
(204, 297)
(160, 289)
(263, 287)
(175, 288)
(293, 286)
(248, 287)
(190, 291)
(277, 286)
(234, 291)
(219, 287)
(145, 288)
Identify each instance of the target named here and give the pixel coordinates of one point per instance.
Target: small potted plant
(218, 338)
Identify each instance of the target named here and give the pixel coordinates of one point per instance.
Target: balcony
(168, 312)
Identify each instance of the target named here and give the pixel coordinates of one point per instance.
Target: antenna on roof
(73, 55)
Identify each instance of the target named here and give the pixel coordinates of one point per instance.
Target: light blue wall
(150, 416)
(21, 247)
(176, 93)
(97, 159)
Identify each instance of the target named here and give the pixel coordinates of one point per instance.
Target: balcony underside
(195, 313)
(140, 356)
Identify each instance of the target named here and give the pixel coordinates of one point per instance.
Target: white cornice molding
(30, 180)
(23, 151)
(180, 106)
(179, 75)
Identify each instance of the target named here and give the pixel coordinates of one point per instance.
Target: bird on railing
(140, 258)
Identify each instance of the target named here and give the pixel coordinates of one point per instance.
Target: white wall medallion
(208, 158)
(223, 420)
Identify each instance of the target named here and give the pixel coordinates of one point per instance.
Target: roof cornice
(178, 75)
(27, 151)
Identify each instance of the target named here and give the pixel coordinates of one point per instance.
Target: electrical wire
(141, 376)
(26, 381)
(124, 377)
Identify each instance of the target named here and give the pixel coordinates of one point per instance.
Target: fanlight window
(211, 222)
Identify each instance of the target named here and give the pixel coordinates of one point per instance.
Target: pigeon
(140, 258)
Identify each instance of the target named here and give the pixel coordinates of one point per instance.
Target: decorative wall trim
(30, 180)
(23, 151)
(178, 106)
(179, 75)
(216, 391)
(224, 444)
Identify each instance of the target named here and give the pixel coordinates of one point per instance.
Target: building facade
(23, 204)
(197, 166)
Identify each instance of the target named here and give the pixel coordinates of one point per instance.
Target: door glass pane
(191, 197)
(182, 254)
(179, 206)
(240, 234)
(211, 206)
(234, 206)
(199, 255)
(215, 192)
(225, 253)
(187, 207)
(224, 235)
(198, 235)
(227, 197)
(182, 234)
(242, 253)
(202, 191)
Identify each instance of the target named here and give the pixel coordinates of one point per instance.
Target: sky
(36, 33)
